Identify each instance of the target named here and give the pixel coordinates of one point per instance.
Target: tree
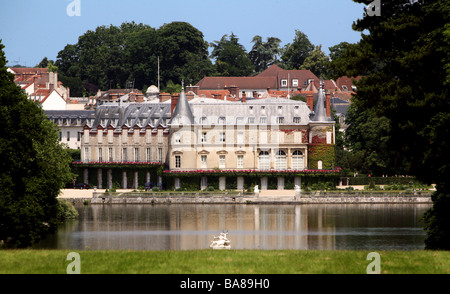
(231, 57)
(264, 54)
(119, 56)
(317, 62)
(184, 53)
(406, 58)
(295, 53)
(33, 167)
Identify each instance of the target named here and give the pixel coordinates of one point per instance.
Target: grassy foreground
(223, 262)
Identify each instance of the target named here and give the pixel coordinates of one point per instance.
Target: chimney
(310, 101)
(173, 101)
(193, 89)
(244, 97)
(255, 94)
(139, 98)
(234, 90)
(164, 97)
(268, 90)
(328, 104)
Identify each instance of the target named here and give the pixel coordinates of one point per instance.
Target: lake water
(186, 227)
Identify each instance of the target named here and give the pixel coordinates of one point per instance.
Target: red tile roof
(213, 83)
(347, 82)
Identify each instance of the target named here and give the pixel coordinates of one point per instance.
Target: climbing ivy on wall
(323, 152)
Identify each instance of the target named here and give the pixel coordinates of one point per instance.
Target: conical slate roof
(182, 114)
(320, 113)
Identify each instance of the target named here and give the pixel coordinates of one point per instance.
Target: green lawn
(223, 262)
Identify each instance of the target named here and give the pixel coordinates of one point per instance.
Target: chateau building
(132, 132)
(203, 134)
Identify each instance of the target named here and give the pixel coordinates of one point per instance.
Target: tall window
(264, 160)
(177, 161)
(100, 154)
(79, 136)
(160, 155)
(136, 154)
(240, 161)
(148, 154)
(204, 137)
(240, 137)
(280, 160)
(68, 136)
(203, 161)
(222, 137)
(110, 154)
(297, 160)
(124, 154)
(86, 154)
(222, 161)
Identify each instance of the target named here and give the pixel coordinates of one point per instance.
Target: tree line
(128, 56)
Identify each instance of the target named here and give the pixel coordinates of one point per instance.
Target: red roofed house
(39, 85)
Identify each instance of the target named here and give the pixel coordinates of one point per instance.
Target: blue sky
(34, 29)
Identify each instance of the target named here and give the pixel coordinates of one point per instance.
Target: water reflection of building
(186, 227)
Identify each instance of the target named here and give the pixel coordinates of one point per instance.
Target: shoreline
(127, 196)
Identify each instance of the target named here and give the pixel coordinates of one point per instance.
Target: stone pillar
(124, 180)
(222, 183)
(240, 183)
(109, 180)
(85, 176)
(136, 180)
(280, 183)
(99, 178)
(147, 177)
(203, 183)
(264, 181)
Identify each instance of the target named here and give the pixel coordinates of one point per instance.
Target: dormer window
(221, 120)
(280, 120)
(203, 120)
(284, 83)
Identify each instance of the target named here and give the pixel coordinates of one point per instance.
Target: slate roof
(232, 113)
(132, 115)
(182, 113)
(320, 114)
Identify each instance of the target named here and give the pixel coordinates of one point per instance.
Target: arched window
(264, 160)
(297, 160)
(280, 160)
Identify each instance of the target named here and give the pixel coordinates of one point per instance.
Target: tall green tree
(33, 167)
(317, 62)
(119, 56)
(184, 53)
(264, 54)
(404, 54)
(230, 56)
(295, 53)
